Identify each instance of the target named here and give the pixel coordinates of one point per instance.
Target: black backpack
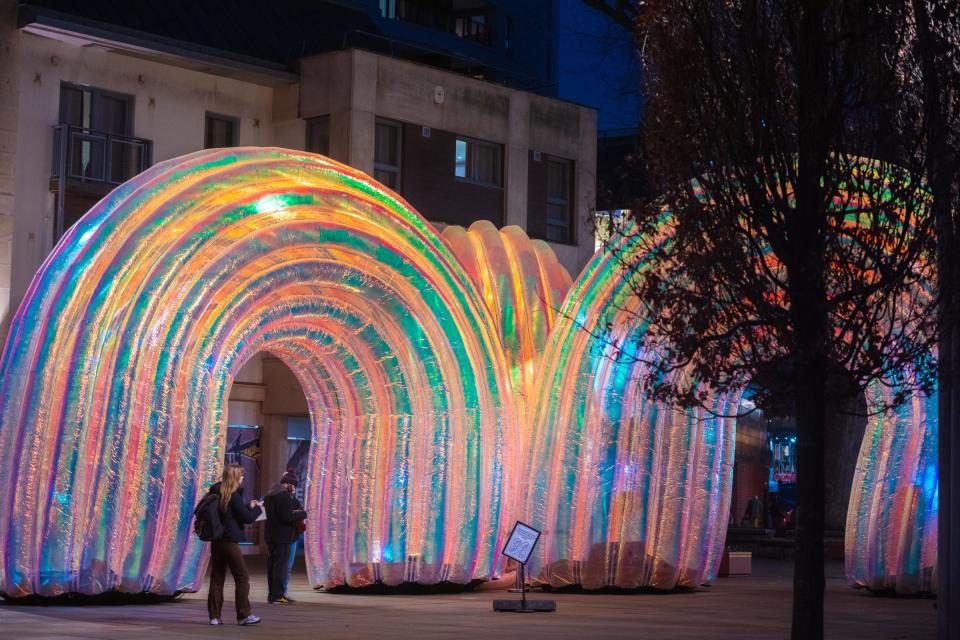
(206, 518)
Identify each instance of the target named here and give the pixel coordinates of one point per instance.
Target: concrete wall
(356, 87)
(430, 185)
(169, 108)
(9, 109)
(353, 87)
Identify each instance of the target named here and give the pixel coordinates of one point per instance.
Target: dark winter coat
(284, 511)
(238, 514)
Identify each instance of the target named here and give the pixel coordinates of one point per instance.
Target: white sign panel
(521, 542)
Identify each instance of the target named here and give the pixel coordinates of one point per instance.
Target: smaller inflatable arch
(523, 285)
(119, 360)
(637, 493)
(891, 530)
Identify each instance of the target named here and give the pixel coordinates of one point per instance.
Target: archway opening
(269, 431)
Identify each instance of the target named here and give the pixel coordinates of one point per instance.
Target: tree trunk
(941, 165)
(948, 407)
(808, 309)
(843, 438)
(948, 396)
(948, 459)
(808, 581)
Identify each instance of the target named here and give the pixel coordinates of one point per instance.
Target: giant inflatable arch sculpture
(434, 369)
(121, 356)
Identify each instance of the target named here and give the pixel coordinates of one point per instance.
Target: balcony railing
(473, 28)
(92, 160)
(90, 156)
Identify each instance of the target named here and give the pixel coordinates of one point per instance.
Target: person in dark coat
(284, 512)
(225, 552)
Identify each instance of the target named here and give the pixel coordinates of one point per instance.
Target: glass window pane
(386, 144)
(460, 159)
(487, 156)
(112, 115)
(556, 180)
(219, 133)
(557, 214)
(71, 106)
(387, 178)
(318, 135)
(556, 233)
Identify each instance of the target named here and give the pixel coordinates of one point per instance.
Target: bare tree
(794, 263)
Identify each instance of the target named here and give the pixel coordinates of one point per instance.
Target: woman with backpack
(225, 550)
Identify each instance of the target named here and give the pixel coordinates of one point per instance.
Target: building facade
(448, 103)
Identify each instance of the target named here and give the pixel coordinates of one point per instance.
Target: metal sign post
(519, 546)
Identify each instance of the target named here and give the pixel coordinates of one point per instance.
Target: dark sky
(598, 64)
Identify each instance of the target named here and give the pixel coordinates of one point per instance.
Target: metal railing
(95, 158)
(470, 28)
(86, 155)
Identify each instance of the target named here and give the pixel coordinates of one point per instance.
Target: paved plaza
(757, 606)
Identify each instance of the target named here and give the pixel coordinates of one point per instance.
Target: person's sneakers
(215, 621)
(251, 619)
(289, 600)
(281, 600)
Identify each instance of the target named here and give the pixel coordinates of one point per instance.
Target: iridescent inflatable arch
(522, 284)
(121, 357)
(891, 533)
(433, 369)
(634, 493)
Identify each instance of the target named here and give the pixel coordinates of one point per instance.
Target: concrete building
(422, 95)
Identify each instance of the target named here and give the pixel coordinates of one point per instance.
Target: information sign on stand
(519, 546)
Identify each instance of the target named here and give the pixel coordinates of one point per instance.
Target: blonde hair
(229, 483)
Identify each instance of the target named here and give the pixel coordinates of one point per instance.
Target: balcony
(467, 19)
(88, 164)
(82, 155)
(473, 28)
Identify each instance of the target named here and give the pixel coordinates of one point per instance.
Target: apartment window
(318, 135)
(97, 109)
(478, 161)
(386, 154)
(220, 131)
(473, 24)
(94, 117)
(559, 196)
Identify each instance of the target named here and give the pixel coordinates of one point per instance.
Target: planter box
(735, 563)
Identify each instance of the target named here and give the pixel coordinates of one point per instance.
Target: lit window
(478, 161)
(460, 164)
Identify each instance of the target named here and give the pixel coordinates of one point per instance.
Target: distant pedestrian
(225, 551)
(754, 512)
(285, 516)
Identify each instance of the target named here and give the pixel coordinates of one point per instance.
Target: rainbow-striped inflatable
(120, 359)
(451, 385)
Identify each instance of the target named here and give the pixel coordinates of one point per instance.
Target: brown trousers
(225, 554)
